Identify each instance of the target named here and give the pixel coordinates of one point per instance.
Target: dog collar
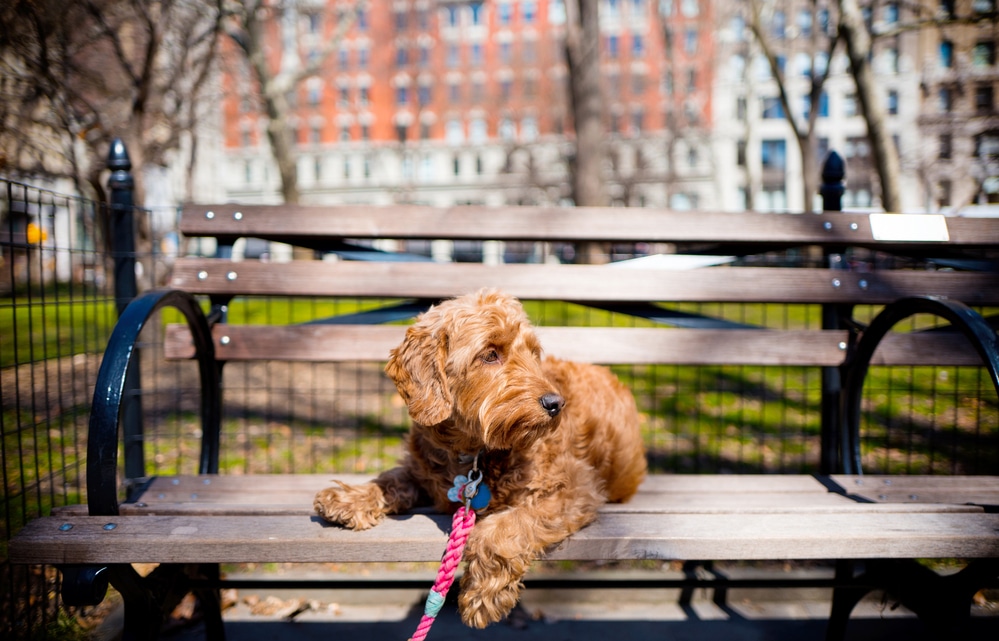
(469, 489)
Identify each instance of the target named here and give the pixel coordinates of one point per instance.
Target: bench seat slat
(579, 283)
(422, 537)
(286, 494)
(606, 345)
(288, 223)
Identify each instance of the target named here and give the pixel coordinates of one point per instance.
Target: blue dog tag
(481, 498)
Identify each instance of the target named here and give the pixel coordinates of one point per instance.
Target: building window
(637, 83)
(423, 95)
(612, 47)
(478, 13)
(477, 131)
(344, 133)
(850, 105)
(505, 13)
(401, 57)
(740, 107)
(456, 165)
(365, 95)
(946, 54)
(943, 193)
(946, 99)
(453, 132)
(804, 23)
(453, 55)
(945, 146)
(892, 102)
(637, 120)
(773, 154)
(740, 153)
(529, 129)
(949, 8)
(529, 11)
(506, 88)
(987, 145)
(779, 25)
(476, 54)
(637, 45)
(401, 95)
(401, 131)
(984, 54)
(857, 147)
(454, 92)
(772, 108)
(891, 13)
(530, 51)
(983, 6)
(983, 99)
(365, 131)
(507, 129)
(690, 41)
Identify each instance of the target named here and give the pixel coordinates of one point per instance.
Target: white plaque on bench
(909, 227)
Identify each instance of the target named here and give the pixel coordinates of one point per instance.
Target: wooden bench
(873, 526)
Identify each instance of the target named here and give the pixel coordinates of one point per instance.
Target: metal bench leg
(845, 599)
(210, 600)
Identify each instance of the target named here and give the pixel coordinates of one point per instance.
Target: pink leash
(462, 524)
(473, 496)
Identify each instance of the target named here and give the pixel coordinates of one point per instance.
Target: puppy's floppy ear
(417, 369)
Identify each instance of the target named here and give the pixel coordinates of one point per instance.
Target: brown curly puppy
(555, 440)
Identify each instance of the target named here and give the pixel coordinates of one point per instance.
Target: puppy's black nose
(553, 403)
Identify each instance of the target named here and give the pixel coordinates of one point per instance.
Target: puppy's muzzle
(552, 403)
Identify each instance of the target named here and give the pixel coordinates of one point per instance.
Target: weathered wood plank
(290, 494)
(582, 283)
(230, 539)
(289, 223)
(607, 345)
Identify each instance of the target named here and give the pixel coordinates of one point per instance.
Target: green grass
(59, 325)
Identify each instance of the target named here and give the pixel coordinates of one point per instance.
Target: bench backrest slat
(295, 222)
(582, 283)
(606, 345)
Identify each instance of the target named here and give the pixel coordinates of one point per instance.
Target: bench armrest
(119, 368)
(975, 328)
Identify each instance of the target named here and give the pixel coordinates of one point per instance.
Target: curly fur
(556, 440)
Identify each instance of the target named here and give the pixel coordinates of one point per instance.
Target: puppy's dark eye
(490, 356)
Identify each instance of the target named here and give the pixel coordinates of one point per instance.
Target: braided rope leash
(462, 524)
(466, 490)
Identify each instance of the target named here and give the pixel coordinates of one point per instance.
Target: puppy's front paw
(485, 601)
(357, 507)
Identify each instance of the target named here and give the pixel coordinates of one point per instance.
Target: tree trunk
(883, 150)
(275, 100)
(586, 96)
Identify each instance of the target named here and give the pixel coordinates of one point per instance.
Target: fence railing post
(122, 206)
(122, 186)
(833, 317)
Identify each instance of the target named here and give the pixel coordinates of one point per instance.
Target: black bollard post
(833, 173)
(833, 317)
(122, 187)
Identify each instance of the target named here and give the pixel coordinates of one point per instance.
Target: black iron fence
(58, 303)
